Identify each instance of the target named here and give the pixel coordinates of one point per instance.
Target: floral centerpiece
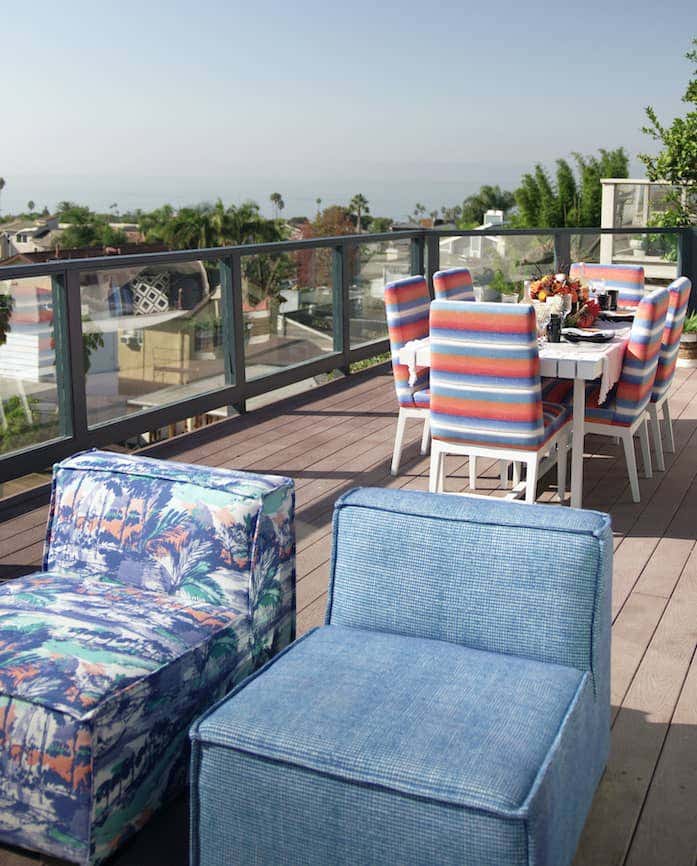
(551, 285)
(568, 297)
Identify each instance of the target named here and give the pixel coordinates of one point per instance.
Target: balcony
(332, 432)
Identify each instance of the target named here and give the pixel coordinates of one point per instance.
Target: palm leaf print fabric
(163, 586)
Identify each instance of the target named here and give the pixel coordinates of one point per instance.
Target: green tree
(380, 224)
(418, 212)
(30, 206)
(2, 187)
(277, 202)
(87, 229)
(488, 198)
(676, 162)
(359, 206)
(569, 199)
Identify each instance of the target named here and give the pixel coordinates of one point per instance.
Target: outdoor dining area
(284, 642)
(510, 381)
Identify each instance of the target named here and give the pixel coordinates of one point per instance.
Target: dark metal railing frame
(76, 434)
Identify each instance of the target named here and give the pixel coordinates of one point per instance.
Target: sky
(140, 103)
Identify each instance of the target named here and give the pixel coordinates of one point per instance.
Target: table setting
(571, 346)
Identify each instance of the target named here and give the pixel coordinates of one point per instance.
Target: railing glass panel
(152, 336)
(30, 410)
(499, 263)
(372, 266)
(288, 306)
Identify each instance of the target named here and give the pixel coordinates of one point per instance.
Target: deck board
(341, 437)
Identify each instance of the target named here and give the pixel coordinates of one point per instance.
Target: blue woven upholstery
(453, 710)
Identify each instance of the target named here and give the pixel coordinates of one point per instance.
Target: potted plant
(688, 341)
(637, 244)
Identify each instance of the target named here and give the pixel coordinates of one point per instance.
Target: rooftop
(341, 435)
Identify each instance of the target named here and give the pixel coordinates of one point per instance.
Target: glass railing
(119, 349)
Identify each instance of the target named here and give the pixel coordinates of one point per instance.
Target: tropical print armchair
(163, 585)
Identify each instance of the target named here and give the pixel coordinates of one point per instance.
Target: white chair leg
(562, 460)
(398, 439)
(657, 440)
(473, 472)
(441, 473)
(434, 469)
(645, 449)
(630, 457)
(426, 436)
(531, 479)
(503, 469)
(668, 423)
(516, 473)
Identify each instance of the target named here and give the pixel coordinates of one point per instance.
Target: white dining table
(580, 362)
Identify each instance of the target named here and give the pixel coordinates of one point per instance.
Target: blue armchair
(163, 586)
(455, 708)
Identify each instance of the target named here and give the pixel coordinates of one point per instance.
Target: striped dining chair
(627, 279)
(624, 412)
(679, 290)
(454, 284)
(486, 398)
(406, 307)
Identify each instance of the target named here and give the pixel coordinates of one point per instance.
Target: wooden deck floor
(645, 813)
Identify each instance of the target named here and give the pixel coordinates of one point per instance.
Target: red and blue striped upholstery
(453, 285)
(641, 358)
(631, 395)
(627, 279)
(668, 357)
(485, 377)
(406, 307)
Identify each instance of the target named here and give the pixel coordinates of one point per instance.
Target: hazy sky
(135, 101)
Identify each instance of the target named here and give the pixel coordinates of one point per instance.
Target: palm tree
(359, 205)
(419, 211)
(30, 206)
(318, 202)
(2, 187)
(277, 202)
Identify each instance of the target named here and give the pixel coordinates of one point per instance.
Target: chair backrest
(641, 358)
(668, 356)
(454, 284)
(485, 375)
(627, 279)
(406, 307)
(211, 535)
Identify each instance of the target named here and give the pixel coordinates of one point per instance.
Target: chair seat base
(358, 747)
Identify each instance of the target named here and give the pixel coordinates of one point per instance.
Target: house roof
(52, 255)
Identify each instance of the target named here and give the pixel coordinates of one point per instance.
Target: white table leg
(577, 449)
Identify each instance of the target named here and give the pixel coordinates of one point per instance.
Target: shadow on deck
(340, 436)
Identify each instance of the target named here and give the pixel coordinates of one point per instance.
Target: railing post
(341, 306)
(417, 255)
(432, 257)
(687, 261)
(61, 349)
(562, 252)
(74, 382)
(233, 323)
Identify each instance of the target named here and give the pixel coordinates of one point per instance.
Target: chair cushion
(556, 390)
(554, 416)
(596, 412)
(356, 728)
(422, 398)
(70, 642)
(99, 682)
